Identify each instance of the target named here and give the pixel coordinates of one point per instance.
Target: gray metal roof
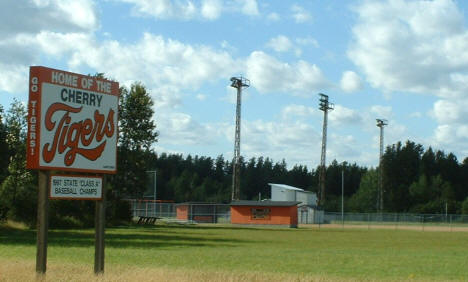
(200, 203)
(287, 187)
(266, 203)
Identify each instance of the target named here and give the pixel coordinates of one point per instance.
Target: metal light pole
(381, 123)
(239, 83)
(153, 172)
(325, 106)
(342, 195)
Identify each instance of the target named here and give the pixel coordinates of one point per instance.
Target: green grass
(335, 253)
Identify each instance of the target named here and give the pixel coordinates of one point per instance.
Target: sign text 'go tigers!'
(72, 122)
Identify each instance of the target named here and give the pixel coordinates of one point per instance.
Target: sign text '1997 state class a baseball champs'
(75, 187)
(72, 122)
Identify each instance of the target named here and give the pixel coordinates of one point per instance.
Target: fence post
(368, 221)
(214, 213)
(422, 219)
(319, 219)
(342, 221)
(450, 223)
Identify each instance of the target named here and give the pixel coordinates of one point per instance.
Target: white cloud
(249, 7)
(419, 47)
(80, 13)
(58, 44)
(280, 43)
(347, 148)
(230, 95)
(294, 137)
(416, 115)
(14, 78)
(295, 111)
(211, 9)
(382, 112)
(201, 97)
(166, 97)
(453, 137)
(451, 112)
(300, 14)
(342, 115)
(188, 9)
(156, 60)
(30, 17)
(163, 9)
(278, 140)
(274, 17)
(267, 74)
(298, 142)
(308, 41)
(452, 117)
(350, 82)
(181, 129)
(167, 67)
(22, 25)
(413, 46)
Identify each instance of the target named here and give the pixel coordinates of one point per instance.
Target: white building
(282, 192)
(307, 209)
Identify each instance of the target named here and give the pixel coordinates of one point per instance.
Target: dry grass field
(227, 253)
(22, 271)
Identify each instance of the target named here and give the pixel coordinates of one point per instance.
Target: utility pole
(342, 194)
(325, 106)
(381, 123)
(239, 83)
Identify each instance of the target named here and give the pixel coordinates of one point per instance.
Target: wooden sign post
(42, 222)
(99, 224)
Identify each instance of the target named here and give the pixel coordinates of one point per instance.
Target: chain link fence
(204, 212)
(188, 212)
(220, 213)
(149, 208)
(398, 220)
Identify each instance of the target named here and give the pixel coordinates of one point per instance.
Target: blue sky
(404, 61)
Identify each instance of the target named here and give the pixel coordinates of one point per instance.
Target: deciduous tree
(17, 193)
(137, 132)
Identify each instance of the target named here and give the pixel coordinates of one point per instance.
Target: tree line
(414, 179)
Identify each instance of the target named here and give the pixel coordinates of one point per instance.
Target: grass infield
(227, 253)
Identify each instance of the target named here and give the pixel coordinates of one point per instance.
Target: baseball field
(165, 252)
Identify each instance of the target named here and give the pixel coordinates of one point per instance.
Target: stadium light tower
(325, 106)
(239, 83)
(381, 123)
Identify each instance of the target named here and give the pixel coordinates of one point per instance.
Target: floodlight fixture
(240, 82)
(381, 122)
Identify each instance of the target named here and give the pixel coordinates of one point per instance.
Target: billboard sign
(75, 187)
(72, 122)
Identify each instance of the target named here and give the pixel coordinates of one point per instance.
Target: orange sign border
(37, 76)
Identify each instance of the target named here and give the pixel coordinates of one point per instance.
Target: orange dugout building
(202, 212)
(281, 213)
